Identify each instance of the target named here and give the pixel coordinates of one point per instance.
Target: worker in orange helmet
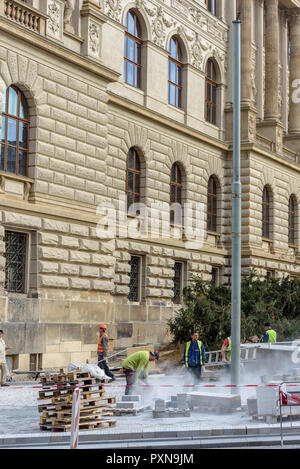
(102, 351)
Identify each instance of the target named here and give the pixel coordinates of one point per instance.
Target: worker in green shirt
(136, 366)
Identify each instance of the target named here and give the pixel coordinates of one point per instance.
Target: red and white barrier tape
(50, 387)
(288, 398)
(75, 418)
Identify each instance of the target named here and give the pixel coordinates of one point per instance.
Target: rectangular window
(178, 282)
(15, 265)
(135, 279)
(35, 361)
(215, 276)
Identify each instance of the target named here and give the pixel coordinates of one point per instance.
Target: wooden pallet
(58, 391)
(82, 426)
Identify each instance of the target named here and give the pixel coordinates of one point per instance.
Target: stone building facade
(88, 124)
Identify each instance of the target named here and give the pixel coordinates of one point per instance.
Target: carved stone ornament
(68, 11)
(197, 18)
(159, 23)
(198, 47)
(53, 23)
(94, 39)
(113, 9)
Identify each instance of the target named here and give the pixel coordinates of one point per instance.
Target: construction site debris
(58, 390)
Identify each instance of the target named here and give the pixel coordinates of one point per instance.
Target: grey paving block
(131, 398)
(215, 402)
(160, 405)
(126, 405)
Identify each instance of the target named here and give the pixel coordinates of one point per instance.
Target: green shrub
(207, 309)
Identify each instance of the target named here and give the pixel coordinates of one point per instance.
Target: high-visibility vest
(272, 335)
(100, 348)
(228, 349)
(188, 344)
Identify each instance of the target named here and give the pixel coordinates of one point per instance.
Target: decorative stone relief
(94, 39)
(55, 9)
(198, 47)
(113, 9)
(159, 24)
(253, 76)
(280, 91)
(68, 12)
(198, 18)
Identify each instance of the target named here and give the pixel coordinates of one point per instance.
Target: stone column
(246, 16)
(271, 127)
(272, 60)
(294, 114)
(260, 59)
(248, 108)
(285, 69)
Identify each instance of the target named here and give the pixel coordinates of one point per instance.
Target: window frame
(211, 83)
(211, 6)
(266, 213)
(4, 121)
(25, 259)
(178, 84)
(212, 196)
(177, 186)
(138, 42)
(292, 216)
(139, 280)
(177, 297)
(135, 172)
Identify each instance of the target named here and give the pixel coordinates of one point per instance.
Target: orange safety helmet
(102, 326)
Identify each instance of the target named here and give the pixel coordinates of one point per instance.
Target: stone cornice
(163, 120)
(61, 52)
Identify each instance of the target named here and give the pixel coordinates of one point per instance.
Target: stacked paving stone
(130, 405)
(179, 407)
(218, 403)
(57, 392)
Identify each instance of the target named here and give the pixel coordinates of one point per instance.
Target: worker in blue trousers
(194, 356)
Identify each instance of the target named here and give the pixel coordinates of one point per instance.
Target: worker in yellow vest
(102, 351)
(226, 350)
(269, 335)
(194, 356)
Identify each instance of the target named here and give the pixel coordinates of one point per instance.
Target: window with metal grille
(14, 132)
(15, 265)
(133, 180)
(212, 205)
(134, 279)
(132, 50)
(215, 276)
(211, 93)
(292, 220)
(175, 73)
(176, 195)
(266, 208)
(177, 288)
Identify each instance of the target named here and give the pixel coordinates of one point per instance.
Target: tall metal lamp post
(236, 213)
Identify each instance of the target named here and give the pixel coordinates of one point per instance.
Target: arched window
(176, 195)
(175, 73)
(292, 220)
(212, 205)
(14, 132)
(266, 212)
(212, 6)
(133, 180)
(132, 50)
(211, 93)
